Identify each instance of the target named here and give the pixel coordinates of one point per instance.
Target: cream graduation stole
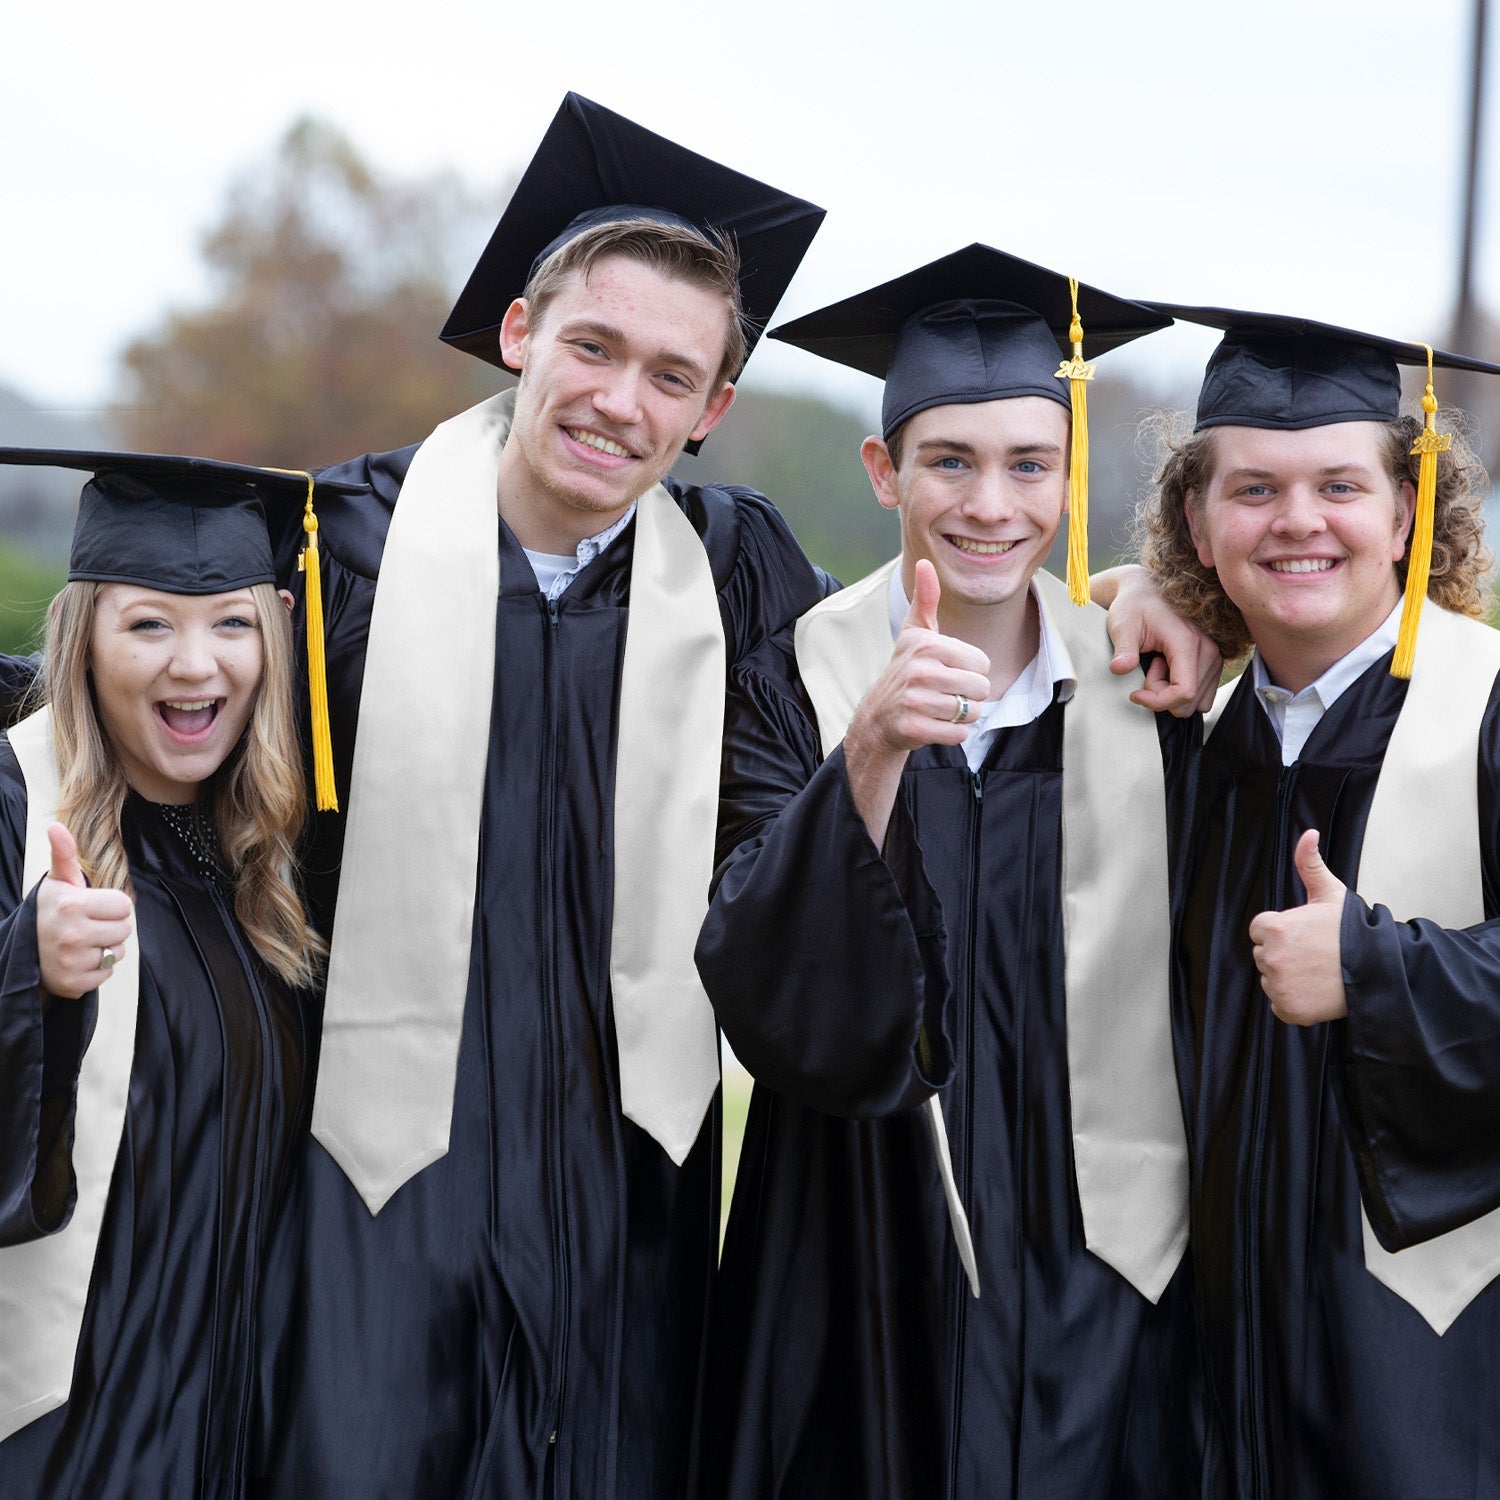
(399, 968)
(1129, 1144)
(1421, 858)
(44, 1284)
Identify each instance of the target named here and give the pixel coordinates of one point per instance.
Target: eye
(1030, 466)
(1253, 492)
(677, 381)
(147, 627)
(950, 463)
(1339, 487)
(590, 347)
(238, 622)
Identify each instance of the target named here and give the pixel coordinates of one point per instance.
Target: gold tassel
(325, 793)
(1075, 371)
(1430, 442)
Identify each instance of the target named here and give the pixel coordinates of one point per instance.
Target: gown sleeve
(1421, 1069)
(823, 956)
(42, 1041)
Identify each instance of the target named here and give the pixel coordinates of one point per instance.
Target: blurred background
(236, 231)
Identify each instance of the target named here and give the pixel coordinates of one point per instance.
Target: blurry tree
(331, 284)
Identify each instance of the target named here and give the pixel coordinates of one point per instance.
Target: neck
(1294, 660)
(1009, 633)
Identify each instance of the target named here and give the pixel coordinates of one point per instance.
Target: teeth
(594, 440)
(983, 549)
(1303, 565)
(190, 706)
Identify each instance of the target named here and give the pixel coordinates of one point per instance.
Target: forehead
(1310, 449)
(1017, 421)
(121, 598)
(647, 306)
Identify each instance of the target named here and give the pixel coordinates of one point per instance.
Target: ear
(718, 404)
(1196, 528)
(515, 329)
(877, 461)
(1406, 515)
(286, 599)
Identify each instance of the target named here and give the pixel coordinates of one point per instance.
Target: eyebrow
(1357, 470)
(607, 333)
(967, 450)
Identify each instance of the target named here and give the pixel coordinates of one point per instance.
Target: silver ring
(962, 711)
(108, 958)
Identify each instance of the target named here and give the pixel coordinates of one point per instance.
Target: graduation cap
(1287, 373)
(195, 526)
(981, 325)
(596, 167)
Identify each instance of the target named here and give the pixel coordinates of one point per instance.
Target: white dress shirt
(1026, 699)
(555, 571)
(1294, 716)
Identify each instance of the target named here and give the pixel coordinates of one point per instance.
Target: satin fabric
(527, 1315)
(1322, 1381)
(174, 1341)
(850, 1358)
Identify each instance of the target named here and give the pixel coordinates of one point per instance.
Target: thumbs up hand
(1297, 951)
(931, 677)
(79, 932)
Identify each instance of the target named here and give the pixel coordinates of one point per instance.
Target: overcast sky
(1291, 155)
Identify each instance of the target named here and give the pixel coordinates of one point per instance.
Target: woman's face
(175, 678)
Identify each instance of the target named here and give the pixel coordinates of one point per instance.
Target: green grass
(26, 588)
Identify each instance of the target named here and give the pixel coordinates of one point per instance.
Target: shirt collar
(1050, 672)
(1340, 676)
(556, 570)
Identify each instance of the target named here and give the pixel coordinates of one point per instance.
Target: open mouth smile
(1303, 565)
(188, 720)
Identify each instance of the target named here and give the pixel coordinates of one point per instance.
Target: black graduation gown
(526, 1315)
(850, 1358)
(171, 1349)
(1322, 1381)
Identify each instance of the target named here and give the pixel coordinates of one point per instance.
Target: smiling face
(617, 375)
(981, 490)
(175, 678)
(1304, 530)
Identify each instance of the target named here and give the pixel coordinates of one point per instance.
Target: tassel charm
(1430, 442)
(1076, 372)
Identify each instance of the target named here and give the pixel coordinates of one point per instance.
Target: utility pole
(1466, 334)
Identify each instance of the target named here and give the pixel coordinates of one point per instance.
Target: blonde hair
(1461, 562)
(258, 796)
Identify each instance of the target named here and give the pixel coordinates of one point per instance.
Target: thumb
(925, 594)
(1322, 884)
(64, 856)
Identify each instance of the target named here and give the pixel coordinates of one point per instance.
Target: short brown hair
(709, 260)
(1461, 562)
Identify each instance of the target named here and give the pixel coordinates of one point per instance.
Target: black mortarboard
(182, 525)
(981, 325)
(195, 526)
(1292, 373)
(977, 325)
(594, 166)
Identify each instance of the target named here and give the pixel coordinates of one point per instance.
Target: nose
(1299, 514)
(193, 656)
(617, 397)
(989, 500)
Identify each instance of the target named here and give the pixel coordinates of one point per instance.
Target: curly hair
(1184, 462)
(259, 794)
